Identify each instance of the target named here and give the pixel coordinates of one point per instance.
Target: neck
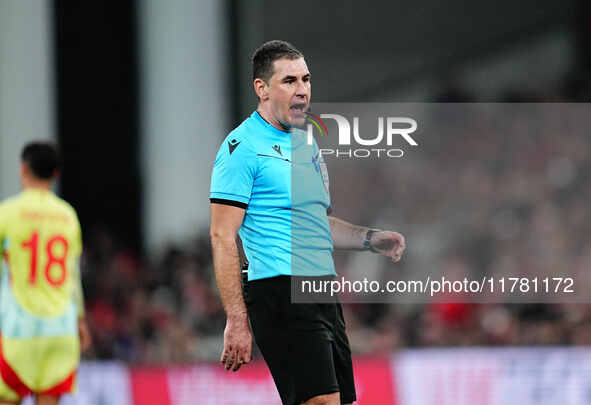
(267, 116)
(34, 184)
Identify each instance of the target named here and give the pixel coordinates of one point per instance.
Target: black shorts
(304, 345)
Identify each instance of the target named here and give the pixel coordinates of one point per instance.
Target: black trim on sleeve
(228, 202)
(329, 210)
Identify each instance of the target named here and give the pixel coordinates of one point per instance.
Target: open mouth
(300, 108)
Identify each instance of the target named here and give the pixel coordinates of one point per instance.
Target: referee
(257, 194)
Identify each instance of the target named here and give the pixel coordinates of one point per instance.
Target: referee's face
(289, 92)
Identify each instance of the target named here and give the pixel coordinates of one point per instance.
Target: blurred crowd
(483, 197)
(152, 312)
(498, 190)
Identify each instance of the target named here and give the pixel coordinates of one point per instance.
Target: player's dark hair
(269, 52)
(42, 158)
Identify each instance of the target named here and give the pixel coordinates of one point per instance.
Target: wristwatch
(367, 241)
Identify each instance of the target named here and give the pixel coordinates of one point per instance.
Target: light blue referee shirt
(281, 181)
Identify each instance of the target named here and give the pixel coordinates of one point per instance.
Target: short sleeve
(233, 173)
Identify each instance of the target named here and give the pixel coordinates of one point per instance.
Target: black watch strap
(367, 241)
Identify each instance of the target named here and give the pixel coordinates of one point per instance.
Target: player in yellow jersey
(42, 324)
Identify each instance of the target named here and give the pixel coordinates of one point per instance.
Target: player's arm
(354, 237)
(225, 222)
(78, 294)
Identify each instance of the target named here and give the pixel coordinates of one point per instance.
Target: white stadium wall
(26, 83)
(184, 112)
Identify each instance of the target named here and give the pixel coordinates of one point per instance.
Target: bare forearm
(227, 273)
(78, 294)
(346, 235)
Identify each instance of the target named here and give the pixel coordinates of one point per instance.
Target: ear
(261, 88)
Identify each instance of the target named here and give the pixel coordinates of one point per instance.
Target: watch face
(366, 243)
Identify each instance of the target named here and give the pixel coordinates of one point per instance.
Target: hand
(237, 344)
(389, 244)
(84, 334)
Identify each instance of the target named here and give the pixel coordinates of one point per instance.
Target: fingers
(237, 364)
(83, 334)
(398, 252)
(231, 363)
(397, 255)
(227, 357)
(237, 347)
(399, 249)
(88, 339)
(85, 337)
(242, 358)
(234, 359)
(83, 342)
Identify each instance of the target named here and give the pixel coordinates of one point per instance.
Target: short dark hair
(269, 52)
(42, 158)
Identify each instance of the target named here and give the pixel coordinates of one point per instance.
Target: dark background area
(97, 115)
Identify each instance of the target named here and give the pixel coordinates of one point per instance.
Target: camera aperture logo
(367, 148)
